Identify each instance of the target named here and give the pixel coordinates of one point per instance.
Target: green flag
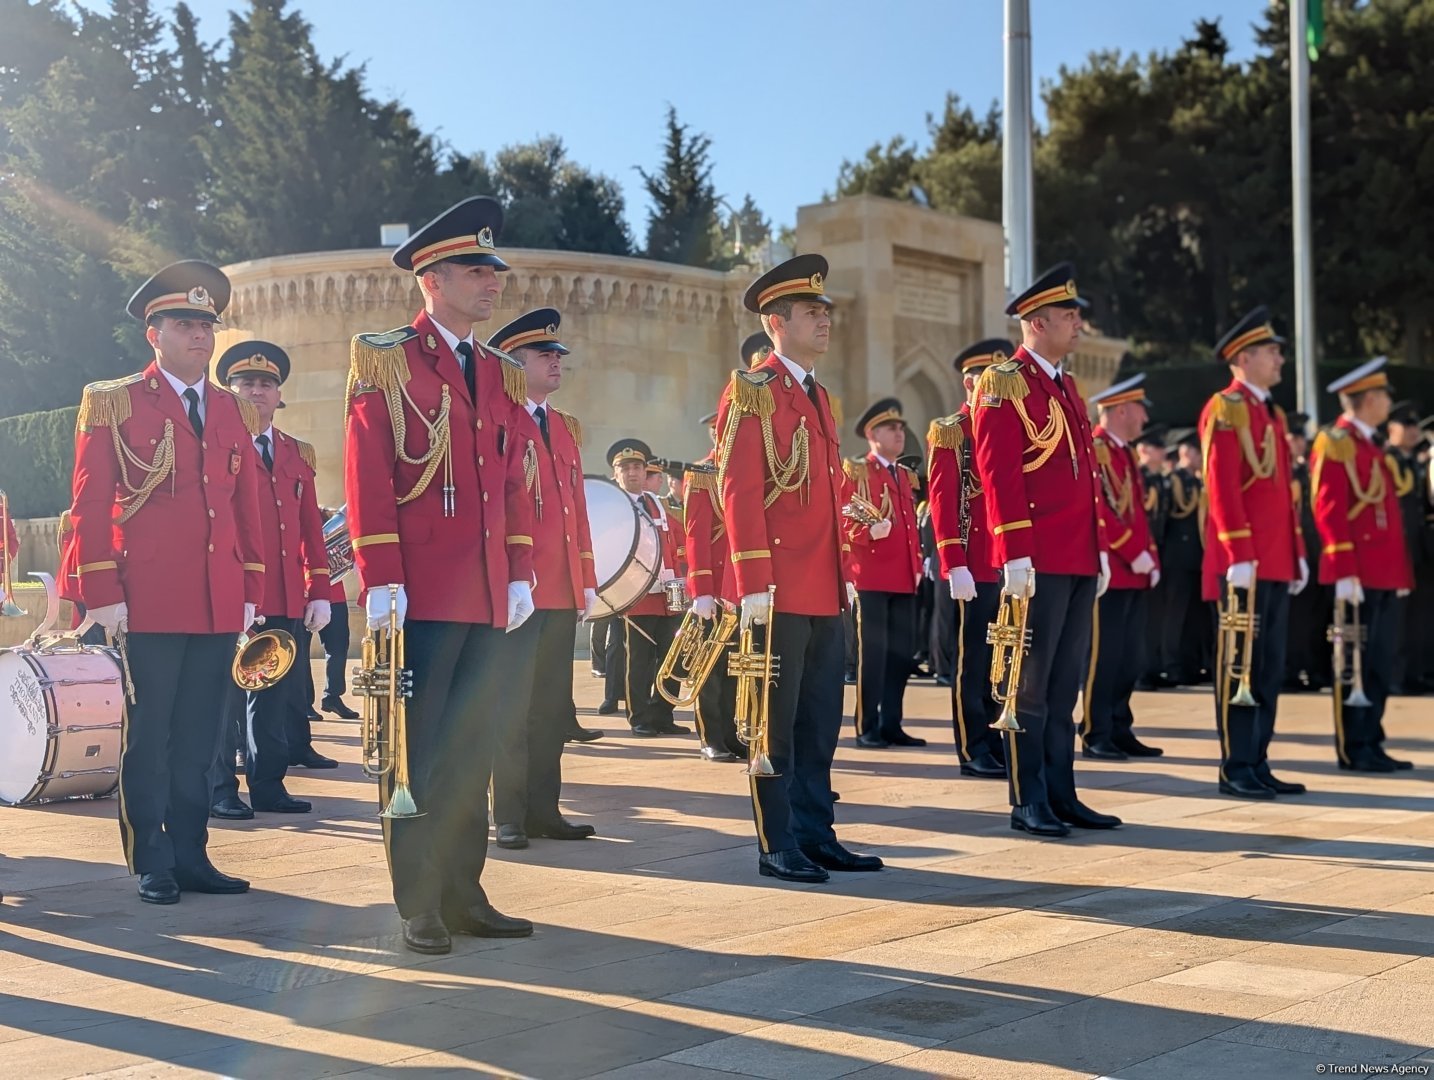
(1314, 27)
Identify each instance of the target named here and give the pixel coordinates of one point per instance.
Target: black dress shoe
(872, 742)
(231, 808)
(312, 715)
(1279, 787)
(313, 760)
(484, 920)
(832, 856)
(607, 708)
(1398, 763)
(900, 738)
(1133, 747)
(159, 887)
(985, 766)
(578, 733)
(1103, 750)
(285, 804)
(943, 680)
(849, 678)
(205, 878)
(425, 933)
(1039, 820)
(1083, 817)
(511, 837)
(645, 731)
(336, 707)
(711, 753)
(670, 728)
(790, 865)
(1367, 762)
(561, 829)
(1246, 787)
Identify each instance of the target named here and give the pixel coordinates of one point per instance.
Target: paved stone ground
(1208, 937)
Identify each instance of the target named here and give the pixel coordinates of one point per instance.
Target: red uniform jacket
(1252, 514)
(673, 548)
(1037, 466)
(950, 466)
(295, 563)
(796, 542)
(562, 544)
(189, 555)
(1122, 507)
(1357, 512)
(892, 564)
(455, 565)
(709, 570)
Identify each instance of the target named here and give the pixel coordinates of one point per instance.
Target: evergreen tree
(682, 223)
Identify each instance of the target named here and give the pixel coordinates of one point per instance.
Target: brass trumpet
(1237, 637)
(1346, 635)
(385, 686)
(862, 511)
(261, 660)
(693, 656)
(1010, 638)
(755, 670)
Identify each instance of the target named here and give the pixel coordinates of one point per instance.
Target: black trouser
(1116, 635)
(717, 707)
(1308, 648)
(335, 639)
(1182, 630)
(848, 623)
(272, 718)
(645, 706)
(167, 747)
(943, 644)
(1245, 730)
(459, 687)
(885, 622)
(1149, 614)
(795, 807)
(599, 635)
(615, 661)
(527, 771)
(973, 709)
(1041, 758)
(223, 777)
(922, 618)
(1359, 730)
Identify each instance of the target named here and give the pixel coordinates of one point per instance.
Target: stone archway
(927, 390)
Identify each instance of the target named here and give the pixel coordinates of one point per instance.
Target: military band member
(963, 551)
(439, 510)
(1184, 633)
(782, 486)
(1307, 658)
(886, 561)
(527, 771)
(1119, 627)
(1363, 554)
(1037, 466)
(1252, 542)
(710, 584)
(169, 556)
(1409, 470)
(1152, 457)
(335, 640)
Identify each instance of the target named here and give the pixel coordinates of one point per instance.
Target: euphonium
(1009, 638)
(385, 685)
(1348, 662)
(261, 660)
(1237, 633)
(755, 670)
(693, 656)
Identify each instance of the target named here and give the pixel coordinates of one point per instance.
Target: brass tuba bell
(263, 659)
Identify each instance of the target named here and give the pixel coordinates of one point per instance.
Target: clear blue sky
(786, 90)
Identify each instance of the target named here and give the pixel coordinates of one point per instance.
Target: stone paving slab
(1206, 937)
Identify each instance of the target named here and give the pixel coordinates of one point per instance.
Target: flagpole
(1307, 392)
(1017, 203)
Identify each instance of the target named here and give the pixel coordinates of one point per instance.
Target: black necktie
(195, 420)
(810, 383)
(892, 469)
(465, 350)
(263, 441)
(540, 414)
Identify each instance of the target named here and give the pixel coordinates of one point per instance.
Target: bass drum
(60, 713)
(627, 547)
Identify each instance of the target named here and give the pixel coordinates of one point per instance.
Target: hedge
(37, 456)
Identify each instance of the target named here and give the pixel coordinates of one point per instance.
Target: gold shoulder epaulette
(854, 468)
(247, 410)
(1002, 382)
(106, 403)
(837, 412)
(912, 477)
(701, 479)
(1334, 444)
(1231, 410)
(515, 379)
(306, 452)
(377, 361)
(945, 433)
(1102, 453)
(574, 426)
(752, 394)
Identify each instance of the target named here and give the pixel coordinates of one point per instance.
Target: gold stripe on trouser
(1222, 695)
(697, 716)
(1339, 716)
(1013, 764)
(856, 618)
(627, 664)
(757, 817)
(1085, 723)
(958, 683)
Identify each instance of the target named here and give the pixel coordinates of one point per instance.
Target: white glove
(1304, 579)
(376, 606)
(1020, 578)
(251, 618)
(705, 608)
(756, 607)
(113, 617)
(928, 571)
(881, 530)
(317, 614)
(1154, 578)
(1241, 574)
(520, 604)
(963, 585)
(589, 602)
(1102, 581)
(1400, 594)
(1142, 563)
(851, 594)
(1349, 589)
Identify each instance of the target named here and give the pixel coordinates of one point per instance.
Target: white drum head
(613, 524)
(24, 726)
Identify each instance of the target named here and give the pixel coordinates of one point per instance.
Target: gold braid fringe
(307, 454)
(945, 433)
(575, 427)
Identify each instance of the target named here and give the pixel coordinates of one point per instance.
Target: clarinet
(963, 514)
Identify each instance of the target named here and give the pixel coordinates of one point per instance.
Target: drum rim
(630, 559)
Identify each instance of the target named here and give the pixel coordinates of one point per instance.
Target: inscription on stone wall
(924, 292)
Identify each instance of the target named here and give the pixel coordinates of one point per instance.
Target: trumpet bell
(1007, 721)
(401, 804)
(263, 659)
(1243, 696)
(761, 765)
(1357, 699)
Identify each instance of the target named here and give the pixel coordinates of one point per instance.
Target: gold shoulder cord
(1232, 412)
(1184, 504)
(1005, 381)
(107, 404)
(1403, 478)
(532, 481)
(755, 399)
(1372, 495)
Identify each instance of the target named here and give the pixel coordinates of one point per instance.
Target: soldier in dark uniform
(1185, 630)
(1409, 471)
(1150, 452)
(1307, 662)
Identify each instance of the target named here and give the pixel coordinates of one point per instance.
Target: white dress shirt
(180, 387)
